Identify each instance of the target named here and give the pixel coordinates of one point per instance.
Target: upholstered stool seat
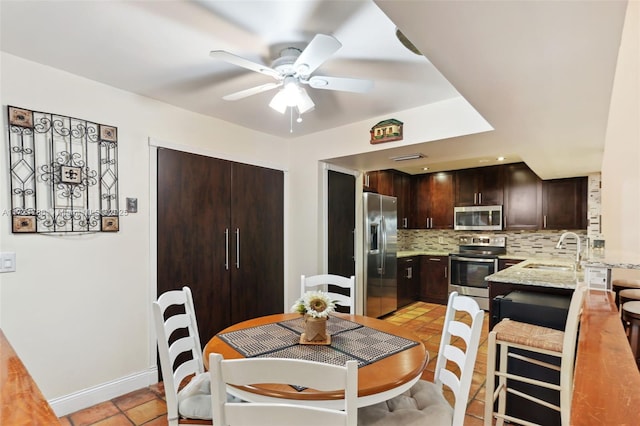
(631, 315)
(421, 405)
(629, 295)
(619, 285)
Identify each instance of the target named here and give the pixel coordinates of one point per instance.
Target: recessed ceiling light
(500, 158)
(425, 168)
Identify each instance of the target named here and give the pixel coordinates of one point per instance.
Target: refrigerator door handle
(383, 252)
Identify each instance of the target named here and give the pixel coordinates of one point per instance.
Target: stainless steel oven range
(477, 257)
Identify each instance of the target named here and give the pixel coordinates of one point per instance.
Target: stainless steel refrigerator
(380, 246)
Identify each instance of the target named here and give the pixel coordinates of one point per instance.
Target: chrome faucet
(578, 248)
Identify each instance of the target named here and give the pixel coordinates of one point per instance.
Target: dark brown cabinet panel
(380, 181)
(434, 279)
(507, 263)
(433, 201)
(479, 186)
(522, 198)
(408, 280)
(500, 289)
(221, 232)
(402, 191)
(564, 203)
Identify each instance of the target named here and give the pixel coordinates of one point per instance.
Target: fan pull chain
(291, 120)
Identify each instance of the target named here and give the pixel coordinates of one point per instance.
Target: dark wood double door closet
(221, 232)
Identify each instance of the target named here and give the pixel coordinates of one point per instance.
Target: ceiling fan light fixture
(279, 102)
(305, 103)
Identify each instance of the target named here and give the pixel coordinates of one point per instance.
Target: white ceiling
(540, 72)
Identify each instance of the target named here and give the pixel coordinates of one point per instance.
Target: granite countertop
(613, 259)
(409, 253)
(522, 273)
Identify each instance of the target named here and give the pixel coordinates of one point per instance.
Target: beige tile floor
(147, 406)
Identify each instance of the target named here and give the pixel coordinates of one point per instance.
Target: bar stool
(624, 284)
(631, 315)
(513, 334)
(629, 295)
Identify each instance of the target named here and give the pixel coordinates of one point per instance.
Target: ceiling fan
(291, 70)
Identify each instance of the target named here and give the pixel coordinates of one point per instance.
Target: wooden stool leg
(491, 380)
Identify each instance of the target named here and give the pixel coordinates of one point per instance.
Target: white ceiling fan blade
(319, 50)
(244, 63)
(345, 84)
(251, 91)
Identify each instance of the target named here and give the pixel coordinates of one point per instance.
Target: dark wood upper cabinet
(480, 186)
(433, 201)
(564, 203)
(402, 191)
(522, 198)
(380, 181)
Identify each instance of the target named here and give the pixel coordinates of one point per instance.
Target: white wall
(621, 161)
(77, 310)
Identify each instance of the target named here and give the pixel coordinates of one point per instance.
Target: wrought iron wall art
(64, 173)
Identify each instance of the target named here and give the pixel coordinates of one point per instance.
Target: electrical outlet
(441, 240)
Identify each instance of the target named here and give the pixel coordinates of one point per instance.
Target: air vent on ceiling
(406, 157)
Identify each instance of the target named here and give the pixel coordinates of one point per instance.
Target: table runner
(349, 340)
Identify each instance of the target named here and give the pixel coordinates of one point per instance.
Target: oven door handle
(473, 259)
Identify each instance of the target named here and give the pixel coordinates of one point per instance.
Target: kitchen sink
(549, 266)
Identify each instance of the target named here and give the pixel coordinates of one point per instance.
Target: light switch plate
(132, 205)
(7, 262)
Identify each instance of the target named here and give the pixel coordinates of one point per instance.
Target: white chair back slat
(321, 283)
(249, 371)
(189, 344)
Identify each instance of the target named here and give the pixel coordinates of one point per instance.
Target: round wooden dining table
(377, 381)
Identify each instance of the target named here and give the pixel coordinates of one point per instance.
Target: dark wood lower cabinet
(220, 232)
(434, 279)
(408, 280)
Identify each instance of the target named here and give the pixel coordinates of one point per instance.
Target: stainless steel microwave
(477, 218)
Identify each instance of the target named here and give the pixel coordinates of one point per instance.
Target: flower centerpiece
(316, 307)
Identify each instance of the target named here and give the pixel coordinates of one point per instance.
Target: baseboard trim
(95, 395)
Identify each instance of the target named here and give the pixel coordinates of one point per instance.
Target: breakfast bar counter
(606, 379)
(22, 401)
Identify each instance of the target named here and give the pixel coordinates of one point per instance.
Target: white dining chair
(181, 357)
(322, 282)
(311, 374)
(424, 403)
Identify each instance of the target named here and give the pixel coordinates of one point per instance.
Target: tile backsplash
(519, 243)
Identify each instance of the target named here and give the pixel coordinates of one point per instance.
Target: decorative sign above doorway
(386, 131)
(64, 173)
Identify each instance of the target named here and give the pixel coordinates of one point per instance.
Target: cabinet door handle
(237, 248)
(446, 275)
(405, 222)
(226, 249)
(409, 272)
(434, 259)
(544, 221)
(479, 197)
(475, 198)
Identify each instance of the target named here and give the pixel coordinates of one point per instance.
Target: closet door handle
(237, 248)
(226, 249)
